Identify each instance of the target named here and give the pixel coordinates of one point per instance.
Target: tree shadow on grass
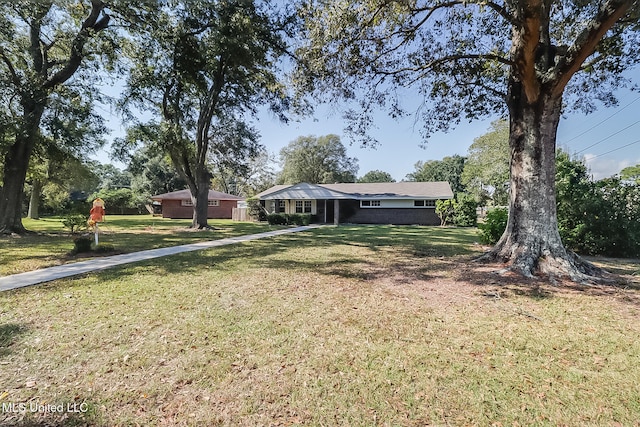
(287, 252)
(51, 420)
(493, 281)
(8, 336)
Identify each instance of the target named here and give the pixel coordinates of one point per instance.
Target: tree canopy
(376, 176)
(448, 169)
(631, 173)
(317, 160)
(486, 170)
(366, 50)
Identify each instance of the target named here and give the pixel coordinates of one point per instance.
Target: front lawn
(51, 243)
(352, 326)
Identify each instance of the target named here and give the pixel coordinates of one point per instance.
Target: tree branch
(592, 62)
(610, 12)
(90, 26)
(492, 5)
(430, 11)
(14, 76)
(445, 59)
(207, 112)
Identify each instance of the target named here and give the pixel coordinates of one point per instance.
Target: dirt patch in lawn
(443, 282)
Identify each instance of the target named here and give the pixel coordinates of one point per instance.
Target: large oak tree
(529, 60)
(47, 47)
(37, 55)
(203, 69)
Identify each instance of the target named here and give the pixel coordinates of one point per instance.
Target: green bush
(446, 210)
(120, 200)
(277, 219)
(299, 219)
(596, 218)
(466, 214)
(494, 225)
(75, 222)
(82, 244)
(288, 219)
(255, 209)
(104, 247)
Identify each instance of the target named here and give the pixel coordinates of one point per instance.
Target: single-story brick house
(178, 204)
(375, 203)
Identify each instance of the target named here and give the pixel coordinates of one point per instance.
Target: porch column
(336, 212)
(325, 211)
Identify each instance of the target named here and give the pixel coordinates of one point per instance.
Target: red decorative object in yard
(96, 215)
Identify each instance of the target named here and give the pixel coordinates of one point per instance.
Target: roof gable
(303, 191)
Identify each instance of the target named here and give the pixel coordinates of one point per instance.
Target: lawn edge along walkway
(35, 277)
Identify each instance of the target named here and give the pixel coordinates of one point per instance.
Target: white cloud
(604, 167)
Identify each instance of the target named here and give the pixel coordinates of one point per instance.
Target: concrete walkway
(60, 271)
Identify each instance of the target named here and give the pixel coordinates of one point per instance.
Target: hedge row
(289, 219)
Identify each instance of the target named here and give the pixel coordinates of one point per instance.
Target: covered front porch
(321, 203)
(321, 210)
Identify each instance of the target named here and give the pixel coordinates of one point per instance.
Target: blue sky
(399, 147)
(592, 136)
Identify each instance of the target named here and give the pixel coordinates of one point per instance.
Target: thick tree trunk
(15, 171)
(531, 243)
(200, 199)
(16, 163)
(34, 199)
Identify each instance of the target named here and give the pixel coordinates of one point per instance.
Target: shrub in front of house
(299, 219)
(277, 219)
(288, 219)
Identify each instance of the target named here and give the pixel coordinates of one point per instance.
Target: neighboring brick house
(375, 203)
(178, 204)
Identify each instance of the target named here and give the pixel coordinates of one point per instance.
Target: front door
(327, 205)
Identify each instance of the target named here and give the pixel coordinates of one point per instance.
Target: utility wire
(610, 136)
(615, 149)
(601, 122)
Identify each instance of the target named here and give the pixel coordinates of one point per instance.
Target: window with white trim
(188, 202)
(424, 203)
(282, 206)
(299, 206)
(307, 206)
(370, 203)
(214, 202)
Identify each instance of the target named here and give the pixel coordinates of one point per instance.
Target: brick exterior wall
(350, 211)
(173, 209)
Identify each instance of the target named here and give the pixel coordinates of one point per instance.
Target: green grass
(354, 326)
(50, 243)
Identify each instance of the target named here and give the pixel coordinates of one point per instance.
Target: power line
(601, 122)
(615, 149)
(610, 136)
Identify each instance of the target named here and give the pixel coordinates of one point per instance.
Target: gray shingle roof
(186, 194)
(378, 190)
